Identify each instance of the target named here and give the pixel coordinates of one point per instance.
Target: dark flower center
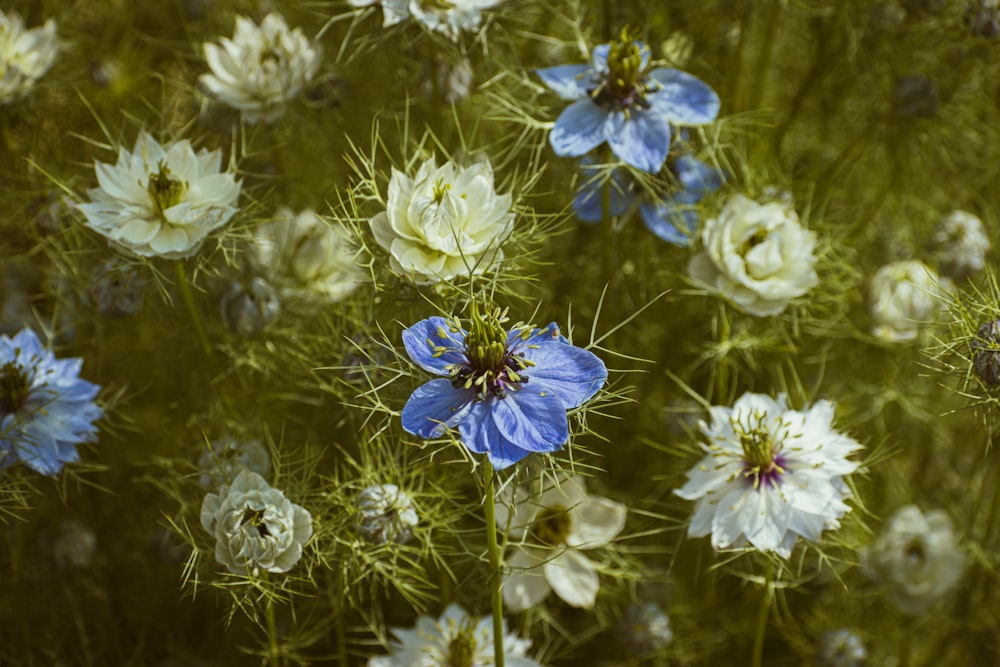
(762, 461)
(625, 86)
(256, 519)
(14, 386)
(552, 526)
(492, 368)
(164, 191)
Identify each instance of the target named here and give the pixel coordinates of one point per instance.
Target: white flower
(916, 556)
(260, 68)
(255, 526)
(448, 221)
(161, 201)
(757, 255)
(25, 55)
(450, 17)
(961, 244)
(770, 475)
(393, 11)
(386, 514)
(306, 256)
(904, 296)
(456, 640)
(550, 529)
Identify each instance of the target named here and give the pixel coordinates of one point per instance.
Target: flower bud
(116, 288)
(386, 515)
(986, 346)
(645, 628)
(225, 458)
(73, 546)
(841, 648)
(249, 307)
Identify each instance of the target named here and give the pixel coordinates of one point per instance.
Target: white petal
(526, 585)
(595, 522)
(572, 577)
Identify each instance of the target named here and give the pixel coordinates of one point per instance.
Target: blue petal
(481, 435)
(535, 420)
(579, 129)
(672, 223)
(422, 336)
(434, 407)
(570, 373)
(569, 82)
(697, 177)
(684, 99)
(599, 57)
(588, 204)
(642, 140)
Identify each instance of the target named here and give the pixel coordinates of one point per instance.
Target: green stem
(274, 653)
(199, 328)
(765, 607)
(494, 554)
(722, 365)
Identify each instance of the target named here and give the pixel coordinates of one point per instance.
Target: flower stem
(274, 653)
(765, 607)
(199, 328)
(494, 554)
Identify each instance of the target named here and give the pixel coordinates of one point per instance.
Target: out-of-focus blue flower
(506, 391)
(46, 410)
(673, 217)
(620, 100)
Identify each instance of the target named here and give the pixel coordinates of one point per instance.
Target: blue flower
(506, 391)
(673, 217)
(620, 100)
(45, 408)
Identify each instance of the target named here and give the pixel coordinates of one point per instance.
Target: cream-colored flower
(452, 17)
(393, 11)
(757, 255)
(161, 201)
(445, 222)
(961, 243)
(255, 526)
(386, 514)
(261, 67)
(305, 256)
(25, 55)
(916, 557)
(549, 529)
(903, 297)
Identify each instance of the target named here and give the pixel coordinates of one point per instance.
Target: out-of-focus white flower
(446, 222)
(454, 79)
(961, 243)
(645, 628)
(305, 256)
(841, 648)
(249, 306)
(450, 17)
(393, 11)
(770, 474)
(255, 526)
(904, 296)
(549, 529)
(161, 201)
(224, 459)
(386, 514)
(25, 55)
(757, 255)
(916, 557)
(456, 639)
(261, 67)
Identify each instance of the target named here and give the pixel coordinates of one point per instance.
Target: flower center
(625, 86)
(552, 526)
(441, 5)
(271, 54)
(462, 649)
(761, 461)
(440, 190)
(256, 519)
(491, 368)
(163, 190)
(915, 553)
(13, 387)
(759, 236)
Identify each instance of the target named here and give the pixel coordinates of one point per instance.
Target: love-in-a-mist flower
(161, 201)
(550, 528)
(916, 557)
(393, 11)
(46, 410)
(770, 475)
(307, 257)
(505, 390)
(447, 221)
(456, 639)
(255, 527)
(261, 67)
(903, 298)
(624, 101)
(450, 17)
(961, 244)
(757, 255)
(25, 55)
(672, 217)
(386, 514)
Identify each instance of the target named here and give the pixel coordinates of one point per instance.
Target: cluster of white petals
(770, 475)
(161, 201)
(386, 514)
(393, 11)
(306, 256)
(449, 17)
(550, 527)
(917, 557)
(445, 222)
(961, 243)
(904, 296)
(261, 67)
(25, 55)
(255, 527)
(453, 640)
(757, 255)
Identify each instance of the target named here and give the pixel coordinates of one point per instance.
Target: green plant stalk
(494, 556)
(765, 608)
(199, 328)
